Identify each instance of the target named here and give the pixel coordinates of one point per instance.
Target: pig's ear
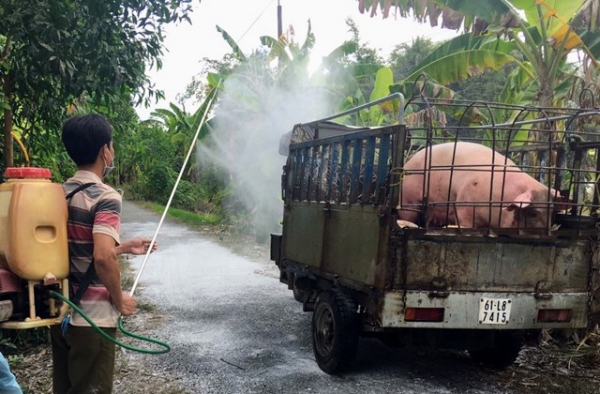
(560, 203)
(521, 201)
(555, 194)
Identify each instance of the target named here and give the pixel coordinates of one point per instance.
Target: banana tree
(350, 84)
(182, 126)
(542, 33)
(456, 59)
(336, 82)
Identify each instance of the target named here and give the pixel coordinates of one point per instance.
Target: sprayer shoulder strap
(89, 274)
(78, 189)
(85, 283)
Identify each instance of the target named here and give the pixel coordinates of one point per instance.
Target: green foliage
(361, 55)
(7, 343)
(12, 342)
(265, 92)
(477, 11)
(159, 182)
(406, 57)
(182, 127)
(213, 190)
(591, 40)
(255, 98)
(237, 52)
(157, 185)
(213, 71)
(153, 154)
(388, 111)
(186, 195)
(464, 64)
(541, 32)
(485, 87)
(58, 51)
(190, 218)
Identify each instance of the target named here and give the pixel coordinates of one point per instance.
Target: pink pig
(461, 173)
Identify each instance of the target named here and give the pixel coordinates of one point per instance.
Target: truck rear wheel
(335, 331)
(502, 354)
(298, 294)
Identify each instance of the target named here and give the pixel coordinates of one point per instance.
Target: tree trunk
(8, 124)
(546, 100)
(546, 97)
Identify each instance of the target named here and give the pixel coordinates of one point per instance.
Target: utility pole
(279, 21)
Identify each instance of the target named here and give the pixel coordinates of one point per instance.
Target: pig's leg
(465, 216)
(466, 213)
(409, 216)
(409, 211)
(412, 198)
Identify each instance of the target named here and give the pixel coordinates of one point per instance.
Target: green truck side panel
(303, 228)
(344, 240)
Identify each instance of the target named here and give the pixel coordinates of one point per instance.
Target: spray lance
(164, 346)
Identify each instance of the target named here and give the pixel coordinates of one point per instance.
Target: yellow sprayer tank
(33, 225)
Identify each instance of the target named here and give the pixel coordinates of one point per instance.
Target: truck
(362, 272)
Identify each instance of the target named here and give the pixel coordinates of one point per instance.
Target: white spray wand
(164, 214)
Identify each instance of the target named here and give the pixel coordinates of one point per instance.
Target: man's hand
(127, 306)
(136, 246)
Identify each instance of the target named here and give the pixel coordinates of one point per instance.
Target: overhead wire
(256, 20)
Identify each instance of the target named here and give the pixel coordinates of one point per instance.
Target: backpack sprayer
(34, 253)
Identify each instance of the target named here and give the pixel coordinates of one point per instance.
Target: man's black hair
(84, 136)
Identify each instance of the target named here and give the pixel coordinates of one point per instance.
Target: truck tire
(335, 331)
(504, 352)
(298, 294)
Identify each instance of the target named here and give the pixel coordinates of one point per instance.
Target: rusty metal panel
(494, 266)
(351, 247)
(461, 310)
(303, 228)
(571, 266)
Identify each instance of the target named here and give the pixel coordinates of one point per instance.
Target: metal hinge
(543, 290)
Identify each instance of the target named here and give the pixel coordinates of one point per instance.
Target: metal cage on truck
(361, 271)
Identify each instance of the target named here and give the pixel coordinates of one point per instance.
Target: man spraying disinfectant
(36, 271)
(83, 360)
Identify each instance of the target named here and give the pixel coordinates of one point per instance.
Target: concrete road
(234, 328)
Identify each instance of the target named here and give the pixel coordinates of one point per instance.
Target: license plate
(494, 310)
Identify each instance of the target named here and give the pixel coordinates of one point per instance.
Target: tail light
(554, 315)
(424, 314)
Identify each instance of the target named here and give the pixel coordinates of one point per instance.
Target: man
(83, 361)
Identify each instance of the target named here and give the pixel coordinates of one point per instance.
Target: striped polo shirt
(95, 210)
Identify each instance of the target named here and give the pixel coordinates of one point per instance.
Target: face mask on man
(108, 168)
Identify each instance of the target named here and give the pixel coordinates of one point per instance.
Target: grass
(144, 306)
(190, 218)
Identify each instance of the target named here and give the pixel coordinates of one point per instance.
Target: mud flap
(275, 254)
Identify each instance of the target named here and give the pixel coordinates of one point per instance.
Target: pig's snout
(527, 217)
(532, 209)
